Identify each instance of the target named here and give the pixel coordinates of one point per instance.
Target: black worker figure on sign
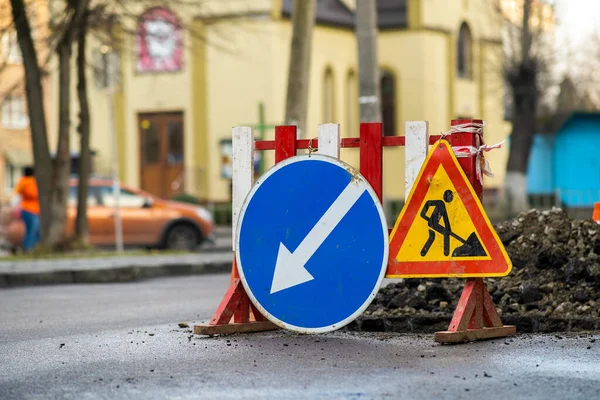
(440, 223)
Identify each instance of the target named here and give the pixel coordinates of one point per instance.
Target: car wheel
(182, 237)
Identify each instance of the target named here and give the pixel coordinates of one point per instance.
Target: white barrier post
(330, 140)
(417, 147)
(236, 306)
(242, 172)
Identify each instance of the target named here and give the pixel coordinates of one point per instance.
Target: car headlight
(204, 214)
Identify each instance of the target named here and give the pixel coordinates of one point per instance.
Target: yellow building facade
(177, 101)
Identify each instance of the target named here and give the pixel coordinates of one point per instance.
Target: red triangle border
(499, 263)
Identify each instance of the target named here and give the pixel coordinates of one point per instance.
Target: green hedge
(186, 198)
(221, 212)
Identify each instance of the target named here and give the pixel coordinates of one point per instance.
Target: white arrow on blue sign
(312, 244)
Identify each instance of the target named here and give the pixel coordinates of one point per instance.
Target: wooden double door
(161, 156)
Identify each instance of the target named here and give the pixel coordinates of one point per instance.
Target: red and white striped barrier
(236, 313)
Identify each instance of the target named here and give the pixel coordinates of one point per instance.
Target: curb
(116, 274)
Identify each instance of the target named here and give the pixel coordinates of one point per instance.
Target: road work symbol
(440, 223)
(442, 230)
(312, 244)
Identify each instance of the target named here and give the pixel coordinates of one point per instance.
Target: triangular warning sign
(443, 230)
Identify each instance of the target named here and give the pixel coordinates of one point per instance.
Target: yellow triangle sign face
(434, 221)
(443, 230)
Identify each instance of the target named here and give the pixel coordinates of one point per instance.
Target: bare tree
(37, 115)
(581, 83)
(98, 21)
(303, 20)
(67, 27)
(81, 221)
(368, 68)
(525, 67)
(7, 29)
(572, 97)
(75, 11)
(51, 175)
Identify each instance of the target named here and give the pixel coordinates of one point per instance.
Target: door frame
(163, 139)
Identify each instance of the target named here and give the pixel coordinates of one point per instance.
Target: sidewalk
(212, 258)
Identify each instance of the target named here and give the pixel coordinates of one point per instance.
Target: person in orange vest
(30, 208)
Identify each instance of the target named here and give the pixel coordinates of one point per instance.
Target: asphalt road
(122, 341)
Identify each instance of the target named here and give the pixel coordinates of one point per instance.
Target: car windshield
(127, 198)
(93, 199)
(103, 196)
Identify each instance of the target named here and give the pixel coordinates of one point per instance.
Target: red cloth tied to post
(482, 166)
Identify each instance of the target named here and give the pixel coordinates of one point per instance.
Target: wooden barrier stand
(236, 313)
(475, 317)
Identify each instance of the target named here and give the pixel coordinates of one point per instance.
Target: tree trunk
(37, 115)
(62, 160)
(303, 20)
(523, 83)
(368, 69)
(521, 139)
(81, 223)
(515, 182)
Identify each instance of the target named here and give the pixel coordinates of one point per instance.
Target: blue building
(567, 163)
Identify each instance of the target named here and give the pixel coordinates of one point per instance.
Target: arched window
(388, 103)
(328, 97)
(464, 57)
(351, 128)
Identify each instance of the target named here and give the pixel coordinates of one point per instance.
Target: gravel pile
(555, 280)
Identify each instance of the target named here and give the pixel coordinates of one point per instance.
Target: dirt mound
(554, 284)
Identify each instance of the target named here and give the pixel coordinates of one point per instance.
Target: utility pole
(303, 21)
(110, 68)
(368, 69)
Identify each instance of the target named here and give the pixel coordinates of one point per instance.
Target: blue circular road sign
(312, 244)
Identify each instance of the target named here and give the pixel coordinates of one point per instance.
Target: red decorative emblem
(159, 42)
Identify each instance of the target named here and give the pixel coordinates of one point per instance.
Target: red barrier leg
(237, 306)
(475, 317)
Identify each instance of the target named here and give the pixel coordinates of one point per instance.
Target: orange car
(147, 221)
